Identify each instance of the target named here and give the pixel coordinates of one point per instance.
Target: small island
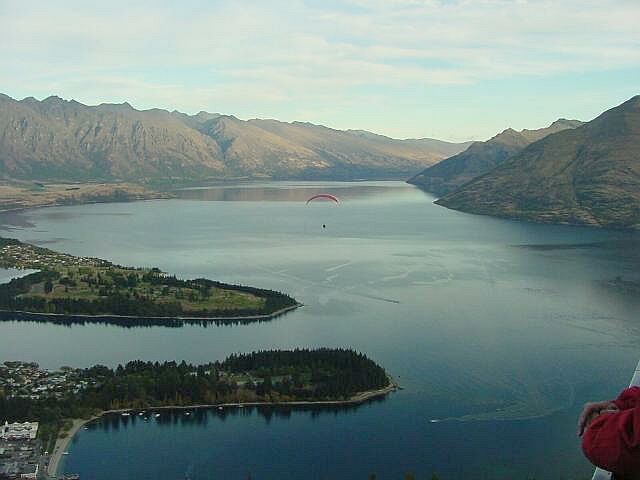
(88, 288)
(295, 378)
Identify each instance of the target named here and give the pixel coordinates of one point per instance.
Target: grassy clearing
(93, 283)
(85, 286)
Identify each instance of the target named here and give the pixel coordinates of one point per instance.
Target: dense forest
(267, 376)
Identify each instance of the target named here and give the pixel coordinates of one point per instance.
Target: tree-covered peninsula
(65, 285)
(279, 377)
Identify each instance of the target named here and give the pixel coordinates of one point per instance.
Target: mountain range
(568, 172)
(586, 175)
(482, 157)
(56, 139)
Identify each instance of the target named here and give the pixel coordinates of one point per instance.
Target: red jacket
(612, 441)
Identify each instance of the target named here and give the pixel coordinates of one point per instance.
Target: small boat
(219, 408)
(434, 420)
(140, 414)
(188, 413)
(157, 415)
(65, 453)
(125, 414)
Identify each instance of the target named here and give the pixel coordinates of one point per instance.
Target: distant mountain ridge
(56, 139)
(588, 175)
(482, 157)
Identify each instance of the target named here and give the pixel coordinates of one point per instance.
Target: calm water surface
(500, 330)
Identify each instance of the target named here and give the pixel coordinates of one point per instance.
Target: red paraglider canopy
(327, 196)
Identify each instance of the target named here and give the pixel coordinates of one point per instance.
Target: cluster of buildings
(19, 431)
(22, 255)
(19, 450)
(28, 380)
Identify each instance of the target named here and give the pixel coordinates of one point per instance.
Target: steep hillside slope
(588, 175)
(58, 139)
(55, 139)
(482, 157)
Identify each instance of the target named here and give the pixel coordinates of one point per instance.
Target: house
(19, 431)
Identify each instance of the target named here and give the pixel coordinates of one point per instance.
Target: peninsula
(21, 195)
(298, 377)
(69, 287)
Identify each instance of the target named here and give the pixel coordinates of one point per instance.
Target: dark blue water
(500, 329)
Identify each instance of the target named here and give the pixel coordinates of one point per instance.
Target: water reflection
(491, 320)
(285, 192)
(623, 245)
(14, 220)
(131, 322)
(170, 417)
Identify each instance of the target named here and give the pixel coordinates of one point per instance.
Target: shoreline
(266, 316)
(66, 194)
(90, 202)
(62, 444)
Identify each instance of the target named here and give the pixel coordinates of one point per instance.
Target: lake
(497, 330)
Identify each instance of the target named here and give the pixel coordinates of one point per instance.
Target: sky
(453, 70)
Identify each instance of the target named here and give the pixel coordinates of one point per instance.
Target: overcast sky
(454, 70)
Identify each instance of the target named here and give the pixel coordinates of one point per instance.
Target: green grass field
(93, 283)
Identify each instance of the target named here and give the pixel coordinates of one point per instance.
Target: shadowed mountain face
(56, 139)
(587, 175)
(482, 157)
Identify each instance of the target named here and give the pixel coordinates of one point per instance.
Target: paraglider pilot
(324, 196)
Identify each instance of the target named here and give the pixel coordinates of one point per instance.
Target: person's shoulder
(628, 398)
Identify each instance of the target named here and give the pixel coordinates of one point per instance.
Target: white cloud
(304, 53)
